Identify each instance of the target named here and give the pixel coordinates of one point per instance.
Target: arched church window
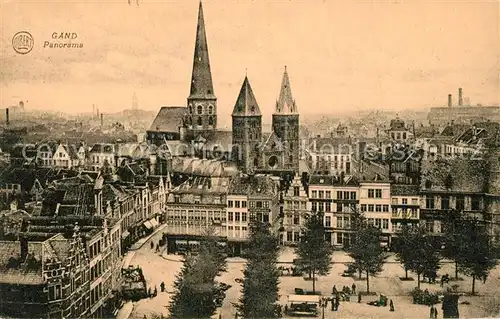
(190, 109)
(211, 120)
(200, 109)
(210, 110)
(199, 121)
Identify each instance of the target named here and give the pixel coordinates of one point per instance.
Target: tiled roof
(70, 149)
(25, 176)
(201, 185)
(29, 273)
(221, 139)
(404, 190)
(454, 129)
(255, 185)
(322, 180)
(201, 167)
(169, 119)
(103, 148)
(454, 174)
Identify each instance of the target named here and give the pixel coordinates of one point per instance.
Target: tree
(260, 286)
(366, 250)
(196, 292)
(453, 242)
(314, 252)
(404, 247)
(425, 257)
(478, 257)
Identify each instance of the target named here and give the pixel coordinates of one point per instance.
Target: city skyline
(348, 64)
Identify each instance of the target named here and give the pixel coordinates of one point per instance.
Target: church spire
(201, 78)
(285, 103)
(246, 104)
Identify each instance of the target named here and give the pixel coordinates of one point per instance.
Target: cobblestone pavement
(159, 268)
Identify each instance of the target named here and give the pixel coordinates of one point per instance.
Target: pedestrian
(435, 313)
(149, 292)
(157, 248)
(391, 305)
(162, 286)
(145, 317)
(431, 314)
(286, 309)
(337, 304)
(152, 245)
(155, 292)
(353, 288)
(334, 290)
(359, 297)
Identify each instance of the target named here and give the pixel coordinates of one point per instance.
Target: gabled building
(295, 209)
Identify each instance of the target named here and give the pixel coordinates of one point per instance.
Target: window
(385, 208)
(339, 207)
(378, 193)
(266, 204)
(236, 217)
(328, 194)
(321, 194)
(371, 193)
(296, 191)
(210, 110)
(296, 219)
(346, 195)
(211, 120)
(475, 203)
(353, 195)
(404, 201)
(339, 238)
(289, 236)
(378, 208)
(237, 204)
(314, 206)
(377, 222)
(259, 204)
(328, 207)
(460, 203)
(199, 109)
(314, 194)
(328, 221)
(265, 218)
(363, 207)
(199, 121)
(371, 207)
(296, 237)
(339, 195)
(429, 202)
(244, 204)
(340, 223)
(230, 203)
(445, 202)
(243, 217)
(385, 224)
(414, 201)
(229, 216)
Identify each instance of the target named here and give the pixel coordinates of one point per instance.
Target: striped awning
(148, 224)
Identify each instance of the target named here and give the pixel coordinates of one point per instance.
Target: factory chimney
(460, 97)
(449, 100)
(7, 121)
(102, 120)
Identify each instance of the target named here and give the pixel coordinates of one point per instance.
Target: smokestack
(97, 113)
(460, 97)
(102, 120)
(449, 100)
(7, 116)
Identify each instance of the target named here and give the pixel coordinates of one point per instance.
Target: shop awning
(148, 225)
(125, 234)
(153, 222)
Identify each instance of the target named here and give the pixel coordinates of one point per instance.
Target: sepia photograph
(251, 159)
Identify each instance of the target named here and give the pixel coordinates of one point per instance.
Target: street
(159, 268)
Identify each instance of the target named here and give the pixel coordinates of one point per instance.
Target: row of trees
(466, 241)
(197, 294)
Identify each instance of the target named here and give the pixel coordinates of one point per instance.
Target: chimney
(97, 112)
(460, 97)
(24, 249)
(102, 120)
(7, 116)
(449, 100)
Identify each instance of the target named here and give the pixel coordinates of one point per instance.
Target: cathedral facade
(195, 125)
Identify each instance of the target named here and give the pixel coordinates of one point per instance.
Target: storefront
(187, 243)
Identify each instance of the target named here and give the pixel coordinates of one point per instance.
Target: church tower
(202, 103)
(247, 129)
(286, 125)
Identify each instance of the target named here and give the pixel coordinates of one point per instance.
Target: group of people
(154, 293)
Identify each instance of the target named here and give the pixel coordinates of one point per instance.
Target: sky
(341, 55)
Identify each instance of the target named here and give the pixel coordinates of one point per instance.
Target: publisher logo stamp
(23, 42)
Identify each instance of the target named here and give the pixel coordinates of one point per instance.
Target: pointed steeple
(246, 104)
(201, 78)
(285, 103)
